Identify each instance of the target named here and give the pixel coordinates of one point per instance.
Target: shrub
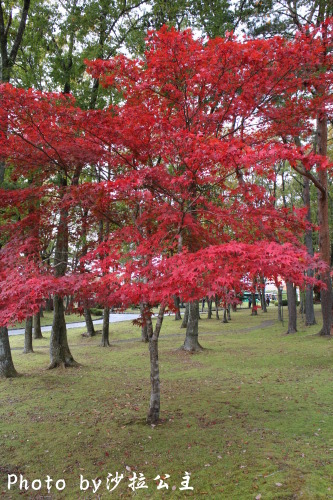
(285, 302)
(96, 312)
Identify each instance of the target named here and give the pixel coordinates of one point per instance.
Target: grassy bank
(251, 415)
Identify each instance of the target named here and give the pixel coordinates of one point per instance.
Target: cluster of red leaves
(174, 175)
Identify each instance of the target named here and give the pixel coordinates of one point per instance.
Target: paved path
(114, 318)
(263, 324)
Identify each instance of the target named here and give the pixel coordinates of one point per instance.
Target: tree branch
(20, 31)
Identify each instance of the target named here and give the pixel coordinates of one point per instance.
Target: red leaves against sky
(176, 174)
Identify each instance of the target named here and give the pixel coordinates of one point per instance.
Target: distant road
(114, 318)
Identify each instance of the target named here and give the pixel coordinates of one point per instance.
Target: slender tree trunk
(8, 59)
(225, 319)
(144, 328)
(254, 305)
(178, 316)
(68, 303)
(324, 232)
(310, 318)
(144, 333)
(89, 322)
(308, 302)
(209, 305)
(263, 294)
(292, 311)
(49, 304)
(7, 369)
(302, 302)
(41, 312)
(192, 331)
(280, 304)
(229, 312)
(186, 314)
(37, 328)
(217, 303)
(155, 394)
(105, 330)
(28, 336)
(59, 350)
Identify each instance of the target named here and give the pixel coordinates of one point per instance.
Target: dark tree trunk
(254, 305)
(324, 230)
(105, 330)
(8, 59)
(217, 303)
(89, 322)
(155, 394)
(280, 318)
(49, 304)
(310, 318)
(144, 328)
(292, 312)
(144, 333)
(37, 328)
(186, 314)
(192, 331)
(225, 319)
(302, 303)
(7, 369)
(229, 312)
(68, 303)
(176, 301)
(28, 336)
(41, 312)
(59, 350)
(263, 295)
(209, 305)
(308, 302)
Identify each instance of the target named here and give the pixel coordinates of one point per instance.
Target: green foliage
(284, 302)
(96, 312)
(213, 18)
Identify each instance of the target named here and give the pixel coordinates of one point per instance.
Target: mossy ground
(251, 415)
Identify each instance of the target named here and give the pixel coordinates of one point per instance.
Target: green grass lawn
(250, 416)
